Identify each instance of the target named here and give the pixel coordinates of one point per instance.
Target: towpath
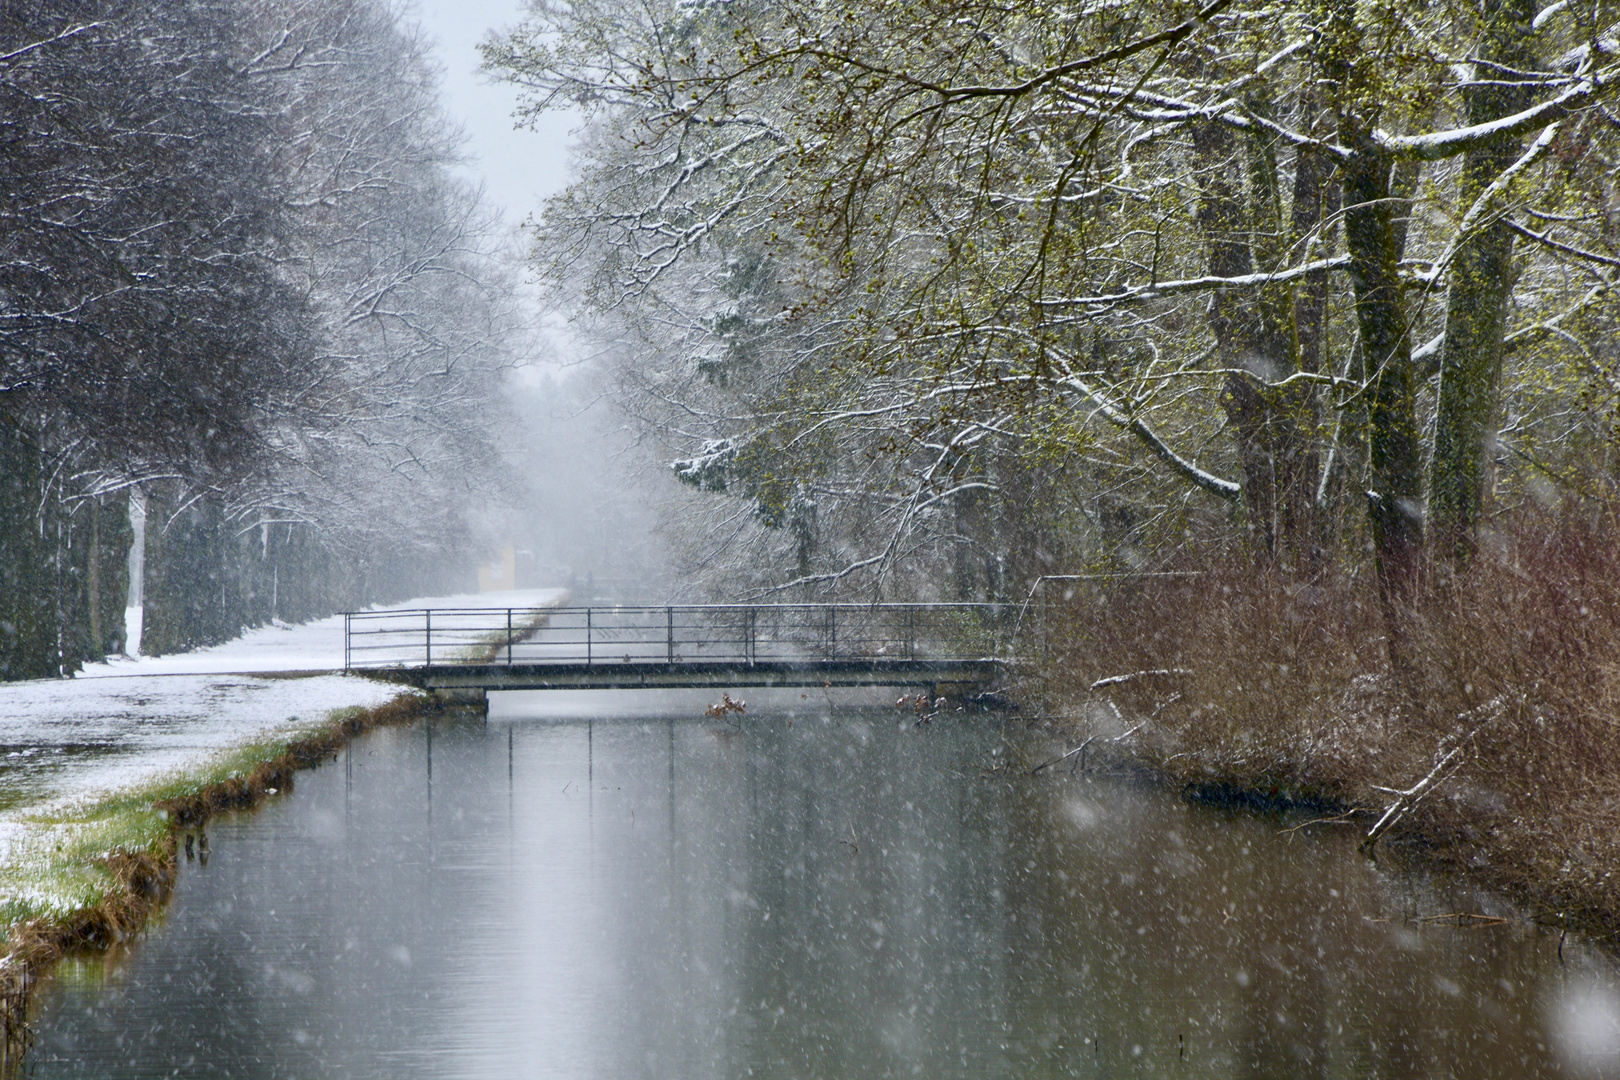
(129, 722)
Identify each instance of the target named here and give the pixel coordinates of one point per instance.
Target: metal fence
(675, 634)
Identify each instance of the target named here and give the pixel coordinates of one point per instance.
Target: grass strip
(488, 647)
(90, 876)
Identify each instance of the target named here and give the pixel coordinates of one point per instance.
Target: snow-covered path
(311, 646)
(130, 722)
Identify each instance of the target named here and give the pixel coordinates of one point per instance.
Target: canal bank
(89, 877)
(99, 773)
(1484, 740)
(1559, 870)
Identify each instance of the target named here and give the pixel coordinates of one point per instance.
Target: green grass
(486, 648)
(57, 864)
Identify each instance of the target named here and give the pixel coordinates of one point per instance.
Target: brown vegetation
(144, 880)
(725, 707)
(1255, 685)
(496, 644)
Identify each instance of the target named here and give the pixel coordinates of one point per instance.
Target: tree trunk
(26, 627)
(1395, 500)
(1476, 304)
(1315, 207)
(135, 605)
(92, 580)
(1373, 239)
(1251, 341)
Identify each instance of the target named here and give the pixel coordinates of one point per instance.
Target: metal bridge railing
(675, 634)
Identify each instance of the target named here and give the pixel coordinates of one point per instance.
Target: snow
(69, 741)
(1215, 485)
(1584, 1016)
(129, 722)
(312, 646)
(1443, 144)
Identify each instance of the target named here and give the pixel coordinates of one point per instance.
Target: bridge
(463, 653)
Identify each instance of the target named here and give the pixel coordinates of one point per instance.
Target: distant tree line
(240, 290)
(947, 295)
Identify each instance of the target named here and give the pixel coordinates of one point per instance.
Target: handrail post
(347, 631)
(669, 615)
(427, 622)
(587, 637)
(508, 637)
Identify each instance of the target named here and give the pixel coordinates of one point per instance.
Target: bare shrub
(1267, 684)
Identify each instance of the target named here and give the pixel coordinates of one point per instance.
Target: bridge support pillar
(472, 698)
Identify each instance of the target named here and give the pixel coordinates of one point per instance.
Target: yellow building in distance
(506, 571)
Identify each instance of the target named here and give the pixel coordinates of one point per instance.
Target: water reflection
(820, 894)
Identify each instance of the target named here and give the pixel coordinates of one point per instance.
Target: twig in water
(1473, 918)
(1341, 819)
(725, 708)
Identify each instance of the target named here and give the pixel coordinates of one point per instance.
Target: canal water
(588, 892)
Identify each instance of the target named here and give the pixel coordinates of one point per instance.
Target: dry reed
(1261, 686)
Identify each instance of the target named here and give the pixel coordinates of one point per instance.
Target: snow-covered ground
(129, 722)
(312, 646)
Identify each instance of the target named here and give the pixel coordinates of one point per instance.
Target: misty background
(587, 508)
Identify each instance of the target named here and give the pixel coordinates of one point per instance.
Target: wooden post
(427, 622)
(508, 637)
(587, 637)
(347, 631)
(669, 614)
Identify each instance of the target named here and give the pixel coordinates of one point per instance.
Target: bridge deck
(665, 647)
(487, 677)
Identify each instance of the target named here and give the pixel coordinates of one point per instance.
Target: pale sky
(518, 167)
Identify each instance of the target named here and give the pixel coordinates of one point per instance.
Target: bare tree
(236, 274)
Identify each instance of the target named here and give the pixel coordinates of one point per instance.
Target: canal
(611, 886)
